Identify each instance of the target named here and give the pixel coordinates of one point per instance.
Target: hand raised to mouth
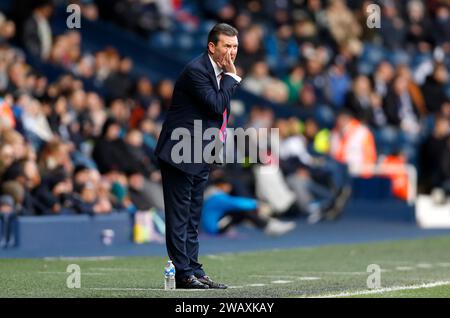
(227, 63)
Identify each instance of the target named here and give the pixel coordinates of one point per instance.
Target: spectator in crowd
(363, 15)
(139, 16)
(142, 163)
(294, 82)
(432, 165)
(444, 166)
(311, 198)
(251, 50)
(118, 84)
(401, 111)
(382, 78)
(418, 26)
(144, 91)
(403, 114)
(318, 183)
(352, 143)
(8, 222)
(24, 176)
(89, 9)
(7, 157)
(434, 88)
(55, 193)
(260, 82)
(342, 23)
(441, 26)
(222, 10)
(358, 99)
(393, 26)
(221, 211)
(282, 49)
(300, 54)
(35, 123)
(305, 32)
(413, 89)
(37, 32)
(139, 194)
(92, 192)
(66, 51)
(109, 151)
(7, 28)
(164, 90)
(55, 154)
(339, 83)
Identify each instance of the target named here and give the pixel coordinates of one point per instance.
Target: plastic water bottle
(169, 276)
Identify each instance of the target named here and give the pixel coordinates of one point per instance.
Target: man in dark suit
(201, 100)
(37, 32)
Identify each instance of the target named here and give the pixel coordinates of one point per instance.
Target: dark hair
(221, 28)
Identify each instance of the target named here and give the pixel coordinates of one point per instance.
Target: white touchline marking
(424, 265)
(65, 273)
(443, 264)
(287, 276)
(218, 257)
(404, 268)
(140, 289)
(392, 262)
(274, 276)
(281, 281)
(308, 278)
(235, 287)
(338, 273)
(52, 272)
(330, 273)
(88, 258)
(256, 285)
(108, 269)
(382, 290)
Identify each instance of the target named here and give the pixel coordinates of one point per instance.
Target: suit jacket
(30, 37)
(196, 96)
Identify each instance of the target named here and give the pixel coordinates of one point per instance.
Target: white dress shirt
(45, 36)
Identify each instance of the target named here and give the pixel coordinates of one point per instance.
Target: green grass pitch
(410, 268)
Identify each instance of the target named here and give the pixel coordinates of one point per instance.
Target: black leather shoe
(212, 284)
(190, 282)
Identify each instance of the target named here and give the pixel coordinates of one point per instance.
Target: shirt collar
(217, 69)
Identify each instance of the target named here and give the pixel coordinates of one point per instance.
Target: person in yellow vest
(353, 143)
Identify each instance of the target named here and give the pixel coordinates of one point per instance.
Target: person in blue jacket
(221, 211)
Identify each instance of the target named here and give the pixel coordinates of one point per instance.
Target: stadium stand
(81, 108)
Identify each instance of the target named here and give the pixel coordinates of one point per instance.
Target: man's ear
(211, 48)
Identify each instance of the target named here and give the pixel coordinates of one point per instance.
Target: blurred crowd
(66, 149)
(321, 57)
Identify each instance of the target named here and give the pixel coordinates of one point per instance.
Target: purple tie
(223, 128)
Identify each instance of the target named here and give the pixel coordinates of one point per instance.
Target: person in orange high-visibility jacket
(398, 175)
(6, 114)
(352, 143)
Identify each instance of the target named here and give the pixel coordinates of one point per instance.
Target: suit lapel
(210, 70)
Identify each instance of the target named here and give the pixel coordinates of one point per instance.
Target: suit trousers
(183, 201)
